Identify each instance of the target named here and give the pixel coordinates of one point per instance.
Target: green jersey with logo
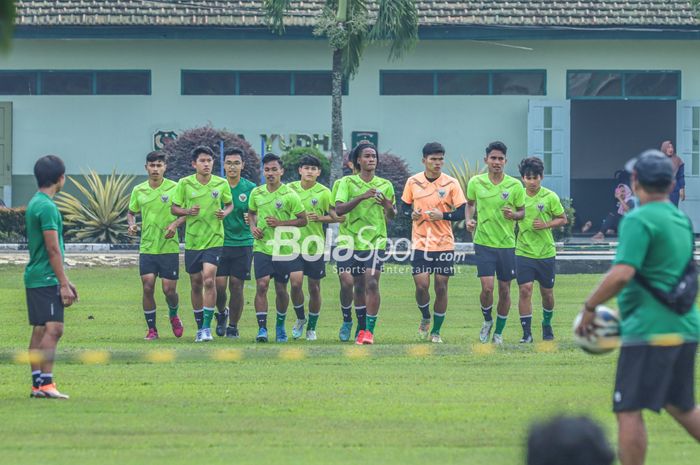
(205, 230)
(342, 227)
(317, 200)
(492, 228)
(365, 225)
(655, 239)
(42, 215)
(154, 206)
(236, 231)
(283, 204)
(538, 243)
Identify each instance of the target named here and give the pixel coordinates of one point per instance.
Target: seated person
(625, 202)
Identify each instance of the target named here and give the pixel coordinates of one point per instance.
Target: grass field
(458, 405)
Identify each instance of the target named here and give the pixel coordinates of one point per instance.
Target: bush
(291, 159)
(567, 230)
(179, 152)
(12, 225)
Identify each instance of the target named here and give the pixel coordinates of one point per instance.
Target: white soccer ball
(605, 336)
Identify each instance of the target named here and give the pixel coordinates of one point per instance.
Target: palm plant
(7, 22)
(349, 28)
(463, 173)
(100, 216)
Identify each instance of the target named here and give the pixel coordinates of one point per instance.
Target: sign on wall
(160, 138)
(370, 136)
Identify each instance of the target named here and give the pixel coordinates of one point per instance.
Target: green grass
(455, 406)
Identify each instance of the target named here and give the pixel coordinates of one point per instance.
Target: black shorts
(235, 261)
(541, 270)
(651, 377)
(279, 270)
(166, 266)
(358, 261)
(491, 260)
(442, 263)
(44, 305)
(314, 269)
(195, 259)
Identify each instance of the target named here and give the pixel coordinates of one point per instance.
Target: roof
(249, 13)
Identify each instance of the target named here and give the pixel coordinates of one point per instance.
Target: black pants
(610, 222)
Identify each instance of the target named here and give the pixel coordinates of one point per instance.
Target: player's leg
(525, 278)
(235, 306)
(440, 286)
(295, 278)
(222, 310)
(314, 288)
(505, 273)
(680, 400)
(422, 283)
(343, 267)
(373, 271)
(546, 279)
(485, 270)
(47, 346)
(261, 286)
(194, 267)
(297, 295)
(173, 300)
(148, 283)
(632, 437)
(690, 420)
(209, 287)
(35, 357)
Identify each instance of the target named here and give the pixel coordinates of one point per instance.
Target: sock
(500, 324)
(198, 317)
(224, 312)
(347, 314)
(150, 318)
(425, 310)
(525, 322)
(262, 319)
(172, 311)
(361, 313)
(208, 315)
(438, 318)
(371, 321)
(299, 310)
(547, 317)
(313, 319)
(36, 378)
(280, 319)
(46, 379)
(487, 313)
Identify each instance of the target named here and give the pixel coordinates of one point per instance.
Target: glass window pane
(696, 141)
(651, 84)
(66, 83)
(547, 140)
(518, 83)
(547, 117)
(254, 83)
(208, 83)
(407, 83)
(696, 117)
(462, 83)
(123, 82)
(547, 163)
(312, 83)
(595, 84)
(696, 164)
(18, 83)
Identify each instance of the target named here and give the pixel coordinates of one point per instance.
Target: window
(203, 82)
(623, 84)
(70, 82)
(463, 82)
(254, 83)
(208, 83)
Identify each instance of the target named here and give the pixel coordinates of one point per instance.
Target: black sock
(46, 378)
(150, 318)
(347, 314)
(36, 378)
(526, 322)
(232, 325)
(425, 310)
(199, 317)
(487, 313)
(299, 310)
(361, 313)
(262, 320)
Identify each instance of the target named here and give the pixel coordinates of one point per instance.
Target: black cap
(652, 168)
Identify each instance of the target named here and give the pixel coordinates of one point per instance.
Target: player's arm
(327, 218)
(68, 292)
(342, 208)
(223, 213)
(458, 214)
(171, 230)
(555, 222)
(253, 224)
(516, 215)
(177, 210)
(613, 282)
(131, 221)
(469, 211)
(299, 222)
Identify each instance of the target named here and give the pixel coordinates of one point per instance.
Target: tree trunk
(337, 116)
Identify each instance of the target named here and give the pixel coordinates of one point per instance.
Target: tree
(350, 26)
(7, 22)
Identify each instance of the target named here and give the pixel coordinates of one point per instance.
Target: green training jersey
(236, 231)
(283, 204)
(154, 206)
(342, 227)
(538, 243)
(365, 225)
(205, 230)
(317, 200)
(42, 215)
(492, 228)
(656, 240)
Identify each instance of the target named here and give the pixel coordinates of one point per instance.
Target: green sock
(371, 321)
(547, 317)
(438, 318)
(500, 324)
(313, 319)
(280, 319)
(172, 311)
(208, 315)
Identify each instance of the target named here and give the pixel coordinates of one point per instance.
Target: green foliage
(100, 214)
(395, 169)
(567, 230)
(463, 172)
(7, 23)
(12, 225)
(291, 158)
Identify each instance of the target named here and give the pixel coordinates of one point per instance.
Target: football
(605, 336)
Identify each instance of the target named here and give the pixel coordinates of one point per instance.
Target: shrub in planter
(12, 224)
(291, 158)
